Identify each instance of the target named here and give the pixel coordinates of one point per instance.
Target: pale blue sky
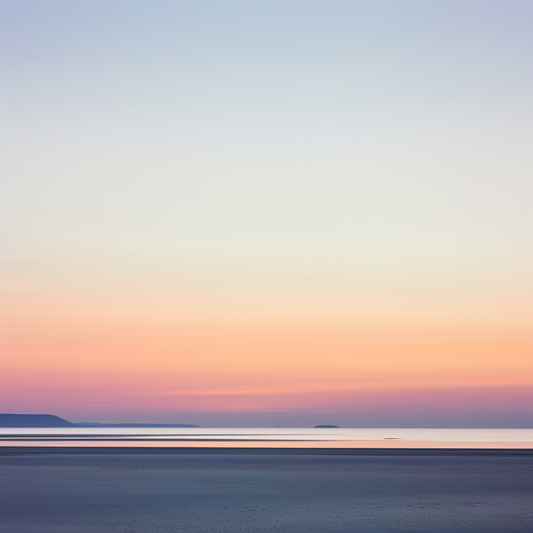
(271, 142)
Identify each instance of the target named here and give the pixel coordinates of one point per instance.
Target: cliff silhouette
(33, 421)
(52, 421)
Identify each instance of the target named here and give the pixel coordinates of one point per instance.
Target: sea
(269, 437)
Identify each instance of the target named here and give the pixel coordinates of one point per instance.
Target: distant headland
(52, 421)
(326, 426)
(33, 421)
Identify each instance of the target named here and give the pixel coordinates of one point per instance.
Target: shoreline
(131, 450)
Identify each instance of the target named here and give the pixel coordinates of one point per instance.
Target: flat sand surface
(265, 492)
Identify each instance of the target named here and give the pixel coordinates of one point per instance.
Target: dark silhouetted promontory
(52, 421)
(33, 421)
(326, 426)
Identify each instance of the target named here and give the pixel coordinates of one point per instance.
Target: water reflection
(269, 437)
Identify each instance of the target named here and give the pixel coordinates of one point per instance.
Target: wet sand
(256, 490)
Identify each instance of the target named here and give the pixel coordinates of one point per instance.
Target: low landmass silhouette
(33, 421)
(52, 421)
(326, 426)
(132, 425)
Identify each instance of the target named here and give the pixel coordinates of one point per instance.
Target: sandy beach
(255, 490)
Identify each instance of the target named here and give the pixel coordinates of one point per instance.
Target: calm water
(269, 437)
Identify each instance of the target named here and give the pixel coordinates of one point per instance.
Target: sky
(259, 213)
